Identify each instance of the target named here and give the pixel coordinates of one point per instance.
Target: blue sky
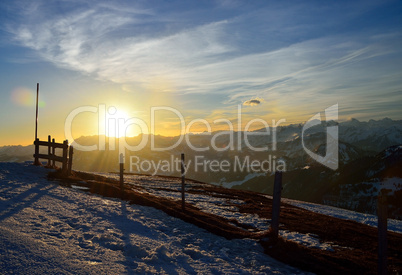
(202, 57)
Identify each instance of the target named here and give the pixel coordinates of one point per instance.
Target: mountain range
(369, 159)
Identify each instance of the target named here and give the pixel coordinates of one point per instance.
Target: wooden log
(64, 162)
(36, 161)
(121, 174)
(49, 148)
(70, 160)
(276, 204)
(382, 209)
(183, 179)
(45, 143)
(51, 157)
(53, 153)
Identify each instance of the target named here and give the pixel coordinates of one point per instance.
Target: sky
(205, 59)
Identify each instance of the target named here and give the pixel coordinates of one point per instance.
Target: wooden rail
(66, 159)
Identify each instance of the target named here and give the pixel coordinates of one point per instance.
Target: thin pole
(36, 121)
(36, 162)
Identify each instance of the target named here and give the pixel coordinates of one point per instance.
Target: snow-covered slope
(369, 219)
(46, 228)
(220, 206)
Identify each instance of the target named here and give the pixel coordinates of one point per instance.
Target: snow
(44, 227)
(240, 182)
(224, 207)
(309, 240)
(205, 202)
(47, 228)
(368, 219)
(392, 184)
(215, 205)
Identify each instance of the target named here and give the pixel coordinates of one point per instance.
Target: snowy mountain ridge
(359, 146)
(372, 136)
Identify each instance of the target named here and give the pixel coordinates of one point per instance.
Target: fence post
(64, 163)
(382, 208)
(276, 204)
(70, 160)
(183, 179)
(53, 153)
(36, 161)
(48, 165)
(121, 174)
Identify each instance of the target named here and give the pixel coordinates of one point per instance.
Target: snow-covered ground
(393, 225)
(240, 182)
(163, 187)
(46, 228)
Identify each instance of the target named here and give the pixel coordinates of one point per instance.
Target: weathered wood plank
(51, 144)
(51, 157)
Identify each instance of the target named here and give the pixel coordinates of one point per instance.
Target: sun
(115, 119)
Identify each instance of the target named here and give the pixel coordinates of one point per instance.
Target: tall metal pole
(36, 162)
(36, 121)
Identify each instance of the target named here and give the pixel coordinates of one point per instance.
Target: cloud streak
(253, 102)
(214, 56)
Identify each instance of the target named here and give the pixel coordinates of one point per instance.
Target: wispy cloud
(215, 56)
(253, 102)
(89, 41)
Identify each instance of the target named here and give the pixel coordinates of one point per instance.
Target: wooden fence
(66, 159)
